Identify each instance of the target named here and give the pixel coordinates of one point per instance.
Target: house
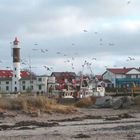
(122, 77)
(6, 80)
(28, 82)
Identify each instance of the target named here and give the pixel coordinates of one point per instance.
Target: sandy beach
(85, 123)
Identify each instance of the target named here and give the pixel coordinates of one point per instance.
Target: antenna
(11, 49)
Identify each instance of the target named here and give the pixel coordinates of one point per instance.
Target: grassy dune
(32, 103)
(85, 102)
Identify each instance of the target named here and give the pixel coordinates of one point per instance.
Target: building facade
(122, 77)
(36, 84)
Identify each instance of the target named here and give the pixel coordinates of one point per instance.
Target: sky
(60, 35)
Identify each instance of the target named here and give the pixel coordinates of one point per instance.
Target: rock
(122, 102)
(81, 136)
(104, 102)
(117, 104)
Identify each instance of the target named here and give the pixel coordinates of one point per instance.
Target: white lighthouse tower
(16, 67)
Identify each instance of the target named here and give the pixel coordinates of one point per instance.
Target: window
(23, 87)
(23, 82)
(0, 88)
(7, 88)
(39, 87)
(15, 75)
(128, 76)
(40, 79)
(15, 88)
(15, 82)
(15, 69)
(32, 87)
(31, 82)
(133, 76)
(7, 82)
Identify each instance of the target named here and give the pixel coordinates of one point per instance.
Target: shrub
(85, 102)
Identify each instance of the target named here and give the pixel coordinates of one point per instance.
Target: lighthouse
(16, 67)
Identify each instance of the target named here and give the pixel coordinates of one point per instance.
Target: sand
(89, 124)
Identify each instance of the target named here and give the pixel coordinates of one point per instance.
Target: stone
(104, 102)
(122, 102)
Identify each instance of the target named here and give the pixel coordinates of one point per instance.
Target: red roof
(9, 73)
(120, 70)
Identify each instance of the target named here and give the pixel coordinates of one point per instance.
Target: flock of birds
(71, 59)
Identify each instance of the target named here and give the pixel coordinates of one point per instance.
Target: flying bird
(42, 51)
(58, 52)
(85, 31)
(101, 44)
(94, 58)
(35, 44)
(46, 67)
(34, 49)
(111, 44)
(128, 2)
(101, 39)
(130, 58)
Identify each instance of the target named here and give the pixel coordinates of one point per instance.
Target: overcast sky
(63, 34)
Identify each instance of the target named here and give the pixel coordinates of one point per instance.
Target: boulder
(104, 102)
(122, 102)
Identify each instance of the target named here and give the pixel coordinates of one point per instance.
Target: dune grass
(85, 102)
(34, 103)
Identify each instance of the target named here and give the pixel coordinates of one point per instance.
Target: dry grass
(85, 102)
(137, 100)
(32, 104)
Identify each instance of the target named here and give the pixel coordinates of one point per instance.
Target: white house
(27, 83)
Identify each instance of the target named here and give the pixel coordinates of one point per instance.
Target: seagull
(58, 52)
(68, 60)
(42, 51)
(130, 58)
(101, 39)
(94, 58)
(34, 49)
(101, 44)
(111, 44)
(73, 44)
(49, 69)
(72, 58)
(35, 44)
(95, 32)
(128, 2)
(23, 63)
(85, 31)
